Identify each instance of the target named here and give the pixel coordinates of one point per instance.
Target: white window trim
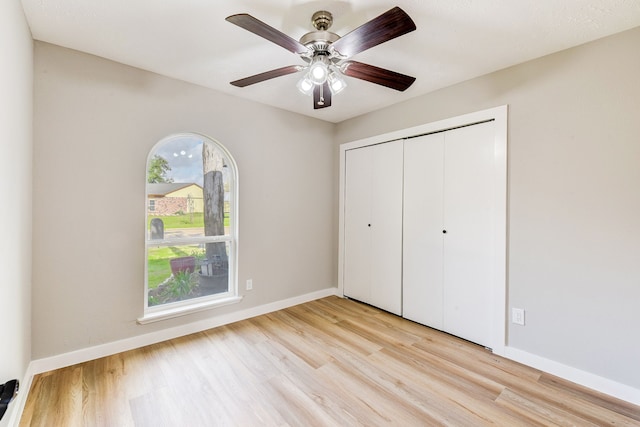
(181, 308)
(194, 307)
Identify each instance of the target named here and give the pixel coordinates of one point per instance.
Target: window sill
(184, 310)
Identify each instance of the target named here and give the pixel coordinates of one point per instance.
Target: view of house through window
(190, 245)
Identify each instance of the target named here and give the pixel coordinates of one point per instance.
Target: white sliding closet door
(357, 216)
(469, 245)
(373, 225)
(449, 244)
(422, 242)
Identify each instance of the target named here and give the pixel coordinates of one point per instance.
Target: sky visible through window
(184, 155)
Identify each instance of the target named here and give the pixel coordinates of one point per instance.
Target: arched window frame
(174, 309)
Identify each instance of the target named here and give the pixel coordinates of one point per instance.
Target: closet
(448, 242)
(423, 225)
(373, 226)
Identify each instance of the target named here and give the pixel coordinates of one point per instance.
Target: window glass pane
(182, 272)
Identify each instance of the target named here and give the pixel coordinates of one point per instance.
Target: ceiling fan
(327, 54)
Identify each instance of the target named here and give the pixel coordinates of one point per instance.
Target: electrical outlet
(249, 284)
(517, 316)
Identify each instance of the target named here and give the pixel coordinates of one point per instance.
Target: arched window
(191, 227)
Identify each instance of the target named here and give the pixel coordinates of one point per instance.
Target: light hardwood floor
(330, 362)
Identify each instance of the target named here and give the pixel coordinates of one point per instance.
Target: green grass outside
(195, 220)
(158, 267)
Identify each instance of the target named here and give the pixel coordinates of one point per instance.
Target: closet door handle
(444, 231)
(368, 225)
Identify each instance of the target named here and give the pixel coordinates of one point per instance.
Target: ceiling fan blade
(267, 75)
(389, 25)
(321, 96)
(377, 75)
(261, 29)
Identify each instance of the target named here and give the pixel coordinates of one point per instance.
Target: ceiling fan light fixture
(305, 85)
(336, 82)
(319, 69)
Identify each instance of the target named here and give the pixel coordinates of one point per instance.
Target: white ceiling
(455, 40)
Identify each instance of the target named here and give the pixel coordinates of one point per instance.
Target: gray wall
(574, 196)
(95, 122)
(16, 108)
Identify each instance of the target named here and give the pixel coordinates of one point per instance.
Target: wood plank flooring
(330, 362)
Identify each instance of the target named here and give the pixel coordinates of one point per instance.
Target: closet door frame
(499, 267)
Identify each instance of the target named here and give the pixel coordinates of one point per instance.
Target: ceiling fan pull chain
(321, 100)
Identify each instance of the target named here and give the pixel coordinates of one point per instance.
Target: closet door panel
(468, 243)
(386, 227)
(422, 230)
(357, 233)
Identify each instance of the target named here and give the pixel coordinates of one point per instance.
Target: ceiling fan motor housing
(319, 41)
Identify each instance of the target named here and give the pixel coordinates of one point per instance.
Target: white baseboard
(587, 379)
(107, 349)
